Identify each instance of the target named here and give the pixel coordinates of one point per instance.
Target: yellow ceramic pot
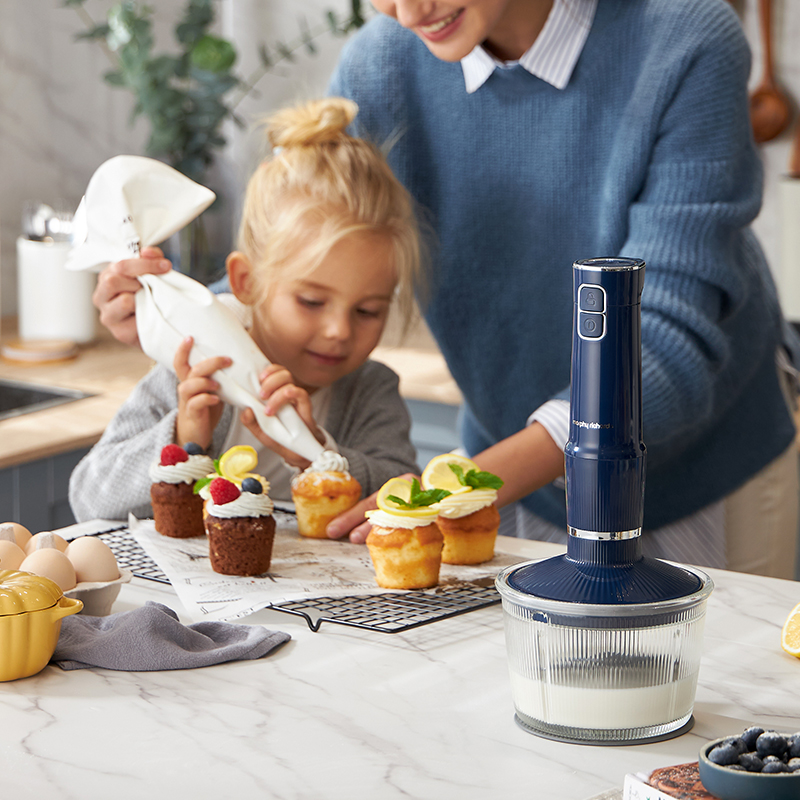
(31, 610)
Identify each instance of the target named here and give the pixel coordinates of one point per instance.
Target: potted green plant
(188, 94)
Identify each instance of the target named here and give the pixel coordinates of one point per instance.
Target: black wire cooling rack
(386, 613)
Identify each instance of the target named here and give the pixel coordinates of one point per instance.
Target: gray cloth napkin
(152, 638)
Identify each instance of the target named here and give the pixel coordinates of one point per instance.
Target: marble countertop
(345, 713)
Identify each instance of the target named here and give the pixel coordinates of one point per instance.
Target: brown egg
(93, 560)
(51, 563)
(11, 556)
(21, 533)
(45, 539)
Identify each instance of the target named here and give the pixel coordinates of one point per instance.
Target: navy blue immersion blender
(603, 586)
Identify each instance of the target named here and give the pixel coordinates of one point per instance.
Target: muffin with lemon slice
(322, 492)
(405, 543)
(177, 511)
(468, 515)
(238, 514)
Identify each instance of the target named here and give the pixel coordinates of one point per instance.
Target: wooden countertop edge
(108, 371)
(56, 448)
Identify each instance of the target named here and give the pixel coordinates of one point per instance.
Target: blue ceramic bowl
(732, 784)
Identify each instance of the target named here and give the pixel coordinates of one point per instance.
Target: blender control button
(591, 326)
(591, 298)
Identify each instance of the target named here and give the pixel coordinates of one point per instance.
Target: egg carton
(385, 613)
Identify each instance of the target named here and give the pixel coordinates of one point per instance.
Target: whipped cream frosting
(246, 504)
(383, 519)
(183, 472)
(455, 506)
(329, 461)
(327, 466)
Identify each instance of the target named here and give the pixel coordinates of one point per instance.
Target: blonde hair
(322, 185)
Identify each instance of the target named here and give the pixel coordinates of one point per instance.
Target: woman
(535, 132)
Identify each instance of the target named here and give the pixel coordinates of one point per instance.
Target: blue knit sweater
(646, 153)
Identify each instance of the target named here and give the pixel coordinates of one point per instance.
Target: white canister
(53, 302)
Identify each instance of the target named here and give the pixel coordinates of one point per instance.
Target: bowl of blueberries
(756, 765)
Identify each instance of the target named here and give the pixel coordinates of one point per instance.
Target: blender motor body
(605, 456)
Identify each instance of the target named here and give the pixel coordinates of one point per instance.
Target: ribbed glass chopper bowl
(603, 644)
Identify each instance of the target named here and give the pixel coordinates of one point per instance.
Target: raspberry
(173, 454)
(223, 491)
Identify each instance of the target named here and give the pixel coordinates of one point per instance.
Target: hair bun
(314, 123)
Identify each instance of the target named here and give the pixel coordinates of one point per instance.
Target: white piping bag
(133, 202)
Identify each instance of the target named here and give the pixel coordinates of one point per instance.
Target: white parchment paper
(301, 569)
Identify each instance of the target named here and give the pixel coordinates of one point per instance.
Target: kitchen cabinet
(434, 428)
(35, 493)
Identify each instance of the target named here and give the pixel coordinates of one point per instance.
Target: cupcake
(177, 511)
(240, 527)
(405, 543)
(238, 515)
(469, 524)
(322, 492)
(468, 515)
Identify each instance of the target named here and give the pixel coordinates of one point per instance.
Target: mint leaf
(483, 480)
(419, 498)
(477, 479)
(201, 484)
(216, 466)
(397, 501)
(428, 497)
(459, 473)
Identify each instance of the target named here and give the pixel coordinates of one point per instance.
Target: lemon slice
(790, 635)
(438, 475)
(400, 487)
(236, 463)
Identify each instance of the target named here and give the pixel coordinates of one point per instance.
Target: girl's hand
(116, 287)
(199, 407)
(277, 390)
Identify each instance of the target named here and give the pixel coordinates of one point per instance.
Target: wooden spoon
(769, 107)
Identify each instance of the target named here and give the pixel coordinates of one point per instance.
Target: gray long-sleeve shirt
(367, 418)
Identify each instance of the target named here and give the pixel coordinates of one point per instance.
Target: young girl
(327, 239)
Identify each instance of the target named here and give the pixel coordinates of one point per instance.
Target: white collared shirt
(552, 57)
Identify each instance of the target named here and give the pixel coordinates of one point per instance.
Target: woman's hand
(115, 290)
(353, 521)
(278, 390)
(199, 407)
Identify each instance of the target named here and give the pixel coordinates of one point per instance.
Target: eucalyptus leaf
(185, 94)
(97, 32)
(114, 78)
(212, 54)
(284, 52)
(263, 54)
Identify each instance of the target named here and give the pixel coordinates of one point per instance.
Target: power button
(591, 325)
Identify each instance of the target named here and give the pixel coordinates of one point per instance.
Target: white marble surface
(351, 714)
